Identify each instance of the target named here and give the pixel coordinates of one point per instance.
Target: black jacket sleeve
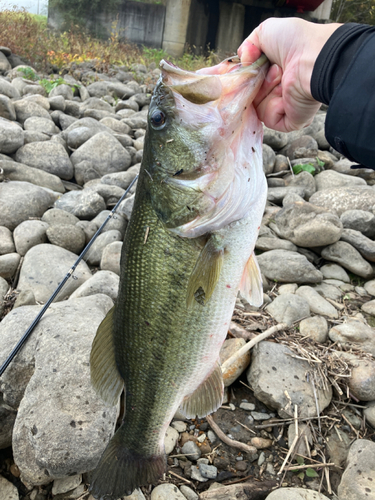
(344, 78)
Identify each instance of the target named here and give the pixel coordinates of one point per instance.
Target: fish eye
(157, 119)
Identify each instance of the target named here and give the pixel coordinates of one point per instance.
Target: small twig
(239, 480)
(338, 306)
(350, 425)
(337, 432)
(179, 477)
(296, 437)
(326, 472)
(309, 466)
(230, 442)
(243, 383)
(225, 366)
(247, 428)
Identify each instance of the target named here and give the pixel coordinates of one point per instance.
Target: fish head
(203, 139)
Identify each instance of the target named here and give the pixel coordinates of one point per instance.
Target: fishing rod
(28, 332)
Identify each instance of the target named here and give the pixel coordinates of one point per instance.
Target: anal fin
(105, 377)
(207, 398)
(206, 273)
(251, 286)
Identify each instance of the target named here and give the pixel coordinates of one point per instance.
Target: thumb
(249, 50)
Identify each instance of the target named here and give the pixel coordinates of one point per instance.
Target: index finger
(248, 50)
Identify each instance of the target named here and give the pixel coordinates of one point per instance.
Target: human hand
(284, 102)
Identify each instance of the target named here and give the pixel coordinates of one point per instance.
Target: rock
(45, 266)
(318, 304)
(26, 108)
(94, 255)
(103, 282)
(9, 265)
(121, 179)
(261, 443)
(11, 137)
(339, 200)
(343, 253)
(268, 159)
(93, 103)
(315, 327)
(277, 194)
(364, 245)
(369, 307)
(6, 241)
(104, 153)
(329, 291)
(265, 244)
(116, 125)
(288, 267)
(28, 234)
(275, 139)
(66, 484)
(338, 447)
(64, 90)
(170, 440)
(136, 495)
(111, 256)
(9, 90)
(304, 432)
(207, 471)
(39, 124)
(111, 194)
(334, 271)
(25, 298)
(370, 287)
(304, 180)
(273, 371)
(126, 206)
(7, 110)
(67, 236)
(191, 450)
(307, 225)
(35, 136)
(196, 474)
(369, 413)
(85, 204)
(167, 491)
(354, 334)
(362, 380)
(188, 493)
(288, 308)
(295, 494)
(51, 440)
(22, 200)
(4, 63)
(57, 102)
(330, 179)
(8, 490)
(229, 347)
(302, 147)
(18, 172)
(360, 220)
(357, 481)
(58, 217)
(48, 156)
(118, 222)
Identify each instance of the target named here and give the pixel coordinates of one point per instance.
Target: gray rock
(369, 286)
(288, 267)
(354, 334)
(329, 291)
(167, 491)
(296, 494)
(188, 493)
(26, 108)
(136, 495)
(369, 413)
(343, 253)
(7, 109)
(265, 244)
(38, 99)
(128, 104)
(126, 206)
(11, 137)
(8, 490)
(275, 139)
(25, 298)
(369, 307)
(281, 164)
(364, 245)
(288, 308)
(339, 200)
(170, 440)
(315, 327)
(116, 125)
(362, 380)
(273, 371)
(64, 90)
(334, 271)
(360, 220)
(96, 104)
(65, 484)
(55, 216)
(317, 303)
(94, 255)
(34, 136)
(45, 266)
(84, 204)
(330, 179)
(28, 234)
(208, 471)
(118, 222)
(357, 481)
(51, 440)
(111, 194)
(8, 89)
(196, 474)
(48, 156)
(269, 158)
(104, 282)
(304, 433)
(302, 147)
(338, 444)
(67, 236)
(120, 179)
(277, 195)
(120, 90)
(111, 257)
(291, 198)
(57, 102)
(303, 179)
(40, 124)
(21, 200)
(307, 225)
(97, 89)
(191, 450)
(9, 264)
(6, 241)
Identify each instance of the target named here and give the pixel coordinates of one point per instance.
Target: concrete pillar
(323, 12)
(231, 26)
(175, 27)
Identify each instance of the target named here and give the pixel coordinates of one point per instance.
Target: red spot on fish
(258, 228)
(228, 286)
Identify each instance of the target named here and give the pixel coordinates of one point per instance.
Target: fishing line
(26, 335)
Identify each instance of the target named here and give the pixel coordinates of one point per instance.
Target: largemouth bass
(188, 249)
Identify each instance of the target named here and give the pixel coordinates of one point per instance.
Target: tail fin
(120, 470)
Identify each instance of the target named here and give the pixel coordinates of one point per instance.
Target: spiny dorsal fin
(206, 273)
(207, 398)
(251, 287)
(105, 377)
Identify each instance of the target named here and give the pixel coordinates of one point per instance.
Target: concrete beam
(175, 27)
(231, 26)
(323, 12)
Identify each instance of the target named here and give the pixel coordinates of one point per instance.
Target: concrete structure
(219, 25)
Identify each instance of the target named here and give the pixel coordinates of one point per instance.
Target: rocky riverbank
(305, 396)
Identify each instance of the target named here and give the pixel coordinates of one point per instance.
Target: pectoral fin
(251, 286)
(206, 273)
(105, 377)
(207, 398)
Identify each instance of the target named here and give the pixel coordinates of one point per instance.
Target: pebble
(191, 450)
(247, 406)
(188, 493)
(207, 471)
(260, 416)
(167, 491)
(179, 425)
(317, 303)
(297, 494)
(261, 443)
(170, 440)
(262, 458)
(66, 484)
(288, 308)
(315, 327)
(8, 490)
(211, 436)
(358, 479)
(334, 271)
(6, 241)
